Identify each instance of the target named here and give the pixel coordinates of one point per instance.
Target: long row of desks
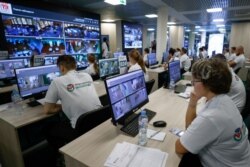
(94, 147)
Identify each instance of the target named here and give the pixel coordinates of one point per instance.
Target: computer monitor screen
(117, 54)
(132, 35)
(126, 92)
(164, 57)
(174, 71)
(108, 67)
(7, 67)
(152, 59)
(35, 81)
(81, 61)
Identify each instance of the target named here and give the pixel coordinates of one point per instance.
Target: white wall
(110, 29)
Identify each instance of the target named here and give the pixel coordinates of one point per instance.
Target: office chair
(149, 85)
(246, 112)
(237, 70)
(91, 119)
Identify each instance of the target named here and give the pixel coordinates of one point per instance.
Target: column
(203, 38)
(191, 39)
(161, 34)
(176, 36)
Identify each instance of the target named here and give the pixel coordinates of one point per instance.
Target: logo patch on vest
(70, 87)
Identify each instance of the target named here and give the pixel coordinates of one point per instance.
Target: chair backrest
(237, 70)
(95, 77)
(149, 85)
(246, 110)
(91, 119)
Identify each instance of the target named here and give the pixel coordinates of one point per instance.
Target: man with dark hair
(77, 95)
(239, 60)
(185, 62)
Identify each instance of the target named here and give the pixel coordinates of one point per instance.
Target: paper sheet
(151, 134)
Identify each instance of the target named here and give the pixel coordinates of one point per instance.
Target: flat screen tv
(41, 30)
(108, 67)
(131, 35)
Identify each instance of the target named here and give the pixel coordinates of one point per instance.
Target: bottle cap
(143, 112)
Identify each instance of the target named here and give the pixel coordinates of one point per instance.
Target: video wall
(32, 31)
(132, 35)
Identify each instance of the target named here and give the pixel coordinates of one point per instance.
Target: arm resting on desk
(51, 108)
(179, 148)
(232, 63)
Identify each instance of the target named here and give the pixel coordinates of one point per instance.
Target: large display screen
(132, 35)
(32, 31)
(215, 43)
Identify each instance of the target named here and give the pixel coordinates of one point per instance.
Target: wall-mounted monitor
(108, 67)
(131, 35)
(39, 29)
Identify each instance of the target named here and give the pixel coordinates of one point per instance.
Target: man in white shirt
(77, 95)
(232, 55)
(105, 48)
(185, 62)
(239, 60)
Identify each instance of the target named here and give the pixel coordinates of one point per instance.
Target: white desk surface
(93, 148)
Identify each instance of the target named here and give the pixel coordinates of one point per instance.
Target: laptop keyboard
(132, 127)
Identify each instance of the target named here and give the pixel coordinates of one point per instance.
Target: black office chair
(89, 120)
(95, 77)
(149, 85)
(246, 111)
(237, 70)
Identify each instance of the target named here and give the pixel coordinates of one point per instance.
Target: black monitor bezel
(109, 75)
(121, 120)
(38, 95)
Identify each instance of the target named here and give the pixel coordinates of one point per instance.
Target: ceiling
(189, 13)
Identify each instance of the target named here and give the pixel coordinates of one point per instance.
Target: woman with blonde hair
(137, 63)
(93, 67)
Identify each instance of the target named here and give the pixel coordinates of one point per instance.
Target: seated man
(239, 60)
(185, 62)
(77, 94)
(217, 133)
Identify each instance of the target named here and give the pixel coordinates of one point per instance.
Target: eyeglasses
(193, 81)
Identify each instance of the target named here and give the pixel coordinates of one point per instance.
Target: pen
(154, 134)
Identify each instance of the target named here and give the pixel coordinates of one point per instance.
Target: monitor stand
(33, 103)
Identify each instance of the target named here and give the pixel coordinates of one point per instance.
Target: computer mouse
(159, 124)
(188, 84)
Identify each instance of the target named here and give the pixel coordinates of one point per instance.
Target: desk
(11, 153)
(94, 147)
(155, 74)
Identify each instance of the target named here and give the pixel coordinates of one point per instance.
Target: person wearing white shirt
(215, 135)
(226, 53)
(145, 56)
(185, 62)
(239, 60)
(92, 69)
(232, 55)
(105, 48)
(77, 95)
(137, 63)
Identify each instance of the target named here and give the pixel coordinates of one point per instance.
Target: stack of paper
(156, 135)
(131, 155)
(187, 92)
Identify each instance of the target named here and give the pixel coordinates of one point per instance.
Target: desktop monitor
(34, 81)
(164, 57)
(127, 93)
(108, 67)
(152, 60)
(118, 54)
(81, 61)
(174, 71)
(7, 74)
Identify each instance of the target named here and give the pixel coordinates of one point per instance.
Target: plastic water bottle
(143, 126)
(17, 101)
(171, 85)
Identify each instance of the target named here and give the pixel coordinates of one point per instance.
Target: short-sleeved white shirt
(105, 48)
(240, 61)
(218, 135)
(145, 58)
(76, 92)
(185, 62)
(90, 69)
(231, 57)
(135, 67)
(237, 91)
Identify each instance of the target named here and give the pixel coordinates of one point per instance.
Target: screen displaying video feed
(81, 61)
(132, 35)
(174, 71)
(32, 31)
(82, 47)
(152, 59)
(81, 31)
(35, 80)
(164, 57)
(117, 54)
(126, 92)
(108, 67)
(7, 67)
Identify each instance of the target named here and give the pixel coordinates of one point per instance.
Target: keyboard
(132, 127)
(154, 67)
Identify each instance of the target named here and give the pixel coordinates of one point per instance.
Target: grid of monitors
(126, 93)
(132, 35)
(108, 67)
(31, 31)
(118, 54)
(7, 67)
(35, 80)
(152, 59)
(174, 70)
